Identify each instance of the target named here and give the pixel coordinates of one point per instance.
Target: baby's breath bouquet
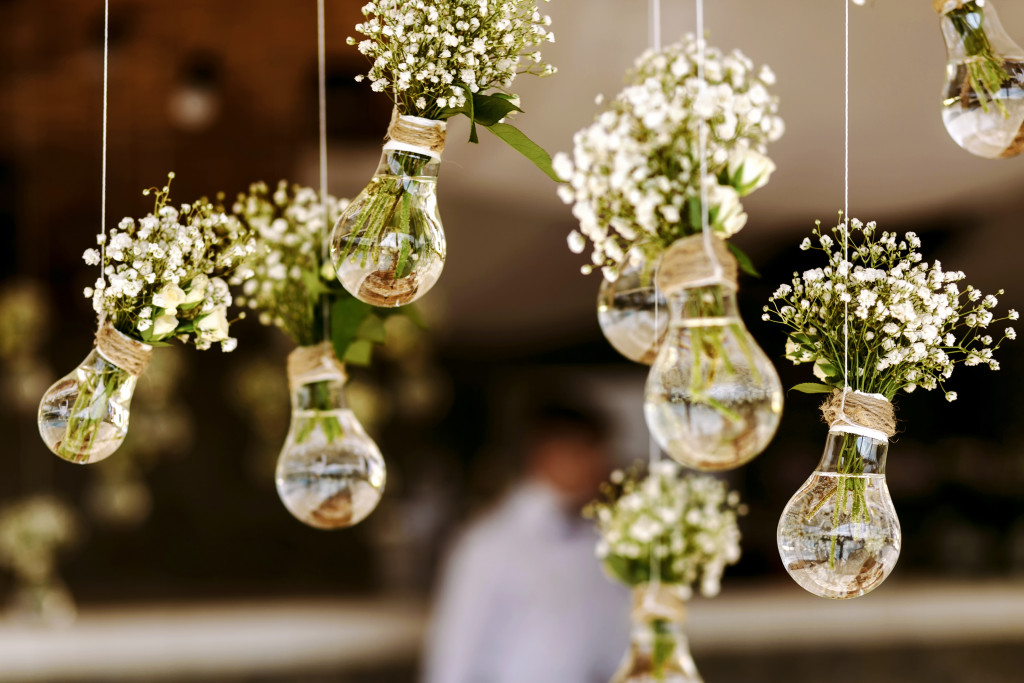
(436, 60)
(661, 534)
(162, 280)
(871, 325)
(634, 175)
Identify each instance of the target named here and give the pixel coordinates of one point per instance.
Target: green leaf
(746, 265)
(358, 352)
(527, 147)
(347, 314)
(491, 109)
(812, 388)
(372, 330)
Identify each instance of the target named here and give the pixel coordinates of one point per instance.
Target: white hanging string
(322, 92)
(846, 205)
(654, 26)
(702, 149)
(103, 162)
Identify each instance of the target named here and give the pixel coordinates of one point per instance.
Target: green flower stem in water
(323, 405)
(85, 419)
(851, 487)
(664, 646)
(984, 70)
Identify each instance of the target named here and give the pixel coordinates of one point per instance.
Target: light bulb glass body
(713, 399)
(83, 417)
(839, 536)
(659, 651)
(330, 474)
(983, 99)
(632, 313)
(388, 246)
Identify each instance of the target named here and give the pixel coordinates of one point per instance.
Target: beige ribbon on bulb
(313, 363)
(687, 264)
(415, 131)
(126, 353)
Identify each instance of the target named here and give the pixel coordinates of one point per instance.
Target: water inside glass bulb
(632, 313)
(983, 98)
(713, 399)
(83, 417)
(388, 247)
(330, 474)
(839, 536)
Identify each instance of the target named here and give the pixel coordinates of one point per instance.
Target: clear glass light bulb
(83, 417)
(839, 536)
(388, 246)
(713, 399)
(983, 99)
(632, 313)
(659, 651)
(330, 474)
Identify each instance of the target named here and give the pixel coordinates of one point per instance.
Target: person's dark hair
(552, 420)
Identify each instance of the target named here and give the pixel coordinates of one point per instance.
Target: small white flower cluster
(634, 176)
(684, 527)
(430, 55)
(285, 277)
(161, 275)
(910, 323)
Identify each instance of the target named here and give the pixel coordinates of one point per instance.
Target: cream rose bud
(197, 292)
(164, 325)
(169, 298)
(749, 170)
(214, 326)
(726, 211)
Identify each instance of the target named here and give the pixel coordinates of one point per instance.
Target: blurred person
(523, 598)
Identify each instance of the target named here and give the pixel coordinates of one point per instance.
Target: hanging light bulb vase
(330, 474)
(388, 246)
(839, 536)
(713, 400)
(83, 418)
(632, 312)
(658, 649)
(983, 99)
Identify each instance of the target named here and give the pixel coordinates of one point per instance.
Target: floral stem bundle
(661, 534)
(162, 280)
(985, 70)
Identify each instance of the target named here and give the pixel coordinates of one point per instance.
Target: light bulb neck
(854, 454)
(972, 30)
(698, 305)
(404, 162)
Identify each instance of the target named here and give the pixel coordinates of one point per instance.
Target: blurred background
(176, 554)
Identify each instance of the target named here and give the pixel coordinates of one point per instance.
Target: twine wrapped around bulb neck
(658, 602)
(941, 6)
(686, 264)
(314, 363)
(126, 353)
(860, 410)
(415, 131)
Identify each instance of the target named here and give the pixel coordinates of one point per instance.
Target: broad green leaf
(527, 147)
(358, 352)
(490, 109)
(372, 330)
(746, 265)
(347, 314)
(812, 388)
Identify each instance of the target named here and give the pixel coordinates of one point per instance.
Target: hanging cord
(325, 205)
(846, 208)
(103, 162)
(654, 455)
(702, 149)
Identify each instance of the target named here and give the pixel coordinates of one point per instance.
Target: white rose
(726, 212)
(198, 290)
(164, 325)
(169, 298)
(213, 326)
(748, 170)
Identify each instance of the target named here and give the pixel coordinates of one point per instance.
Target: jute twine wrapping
(660, 602)
(686, 264)
(940, 5)
(314, 363)
(412, 130)
(860, 409)
(123, 351)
